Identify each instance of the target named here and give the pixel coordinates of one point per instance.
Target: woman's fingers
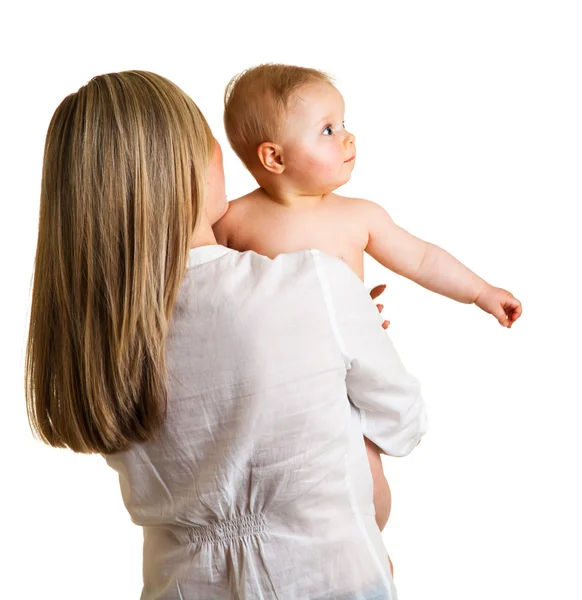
(376, 291)
(380, 308)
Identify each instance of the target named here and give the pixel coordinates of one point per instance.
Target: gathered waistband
(223, 531)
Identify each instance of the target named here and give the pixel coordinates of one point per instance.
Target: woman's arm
(391, 407)
(432, 267)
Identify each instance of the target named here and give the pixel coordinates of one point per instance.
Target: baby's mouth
(350, 159)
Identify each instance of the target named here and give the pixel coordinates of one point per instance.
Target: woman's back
(258, 484)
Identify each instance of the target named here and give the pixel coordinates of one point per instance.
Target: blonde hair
(255, 102)
(125, 165)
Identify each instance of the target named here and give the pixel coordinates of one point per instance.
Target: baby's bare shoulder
(354, 206)
(228, 227)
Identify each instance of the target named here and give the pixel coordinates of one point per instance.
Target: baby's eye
(328, 130)
(344, 124)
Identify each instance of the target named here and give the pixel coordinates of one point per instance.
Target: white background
(468, 117)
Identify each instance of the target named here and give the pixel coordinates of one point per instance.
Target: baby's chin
(316, 187)
(327, 189)
(343, 180)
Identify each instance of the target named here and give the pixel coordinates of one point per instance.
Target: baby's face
(319, 153)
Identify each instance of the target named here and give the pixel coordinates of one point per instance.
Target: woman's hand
(374, 293)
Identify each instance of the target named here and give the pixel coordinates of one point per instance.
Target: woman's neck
(203, 235)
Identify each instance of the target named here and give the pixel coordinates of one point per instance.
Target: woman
(215, 382)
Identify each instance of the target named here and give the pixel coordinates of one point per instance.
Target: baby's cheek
(319, 170)
(322, 167)
(315, 161)
(328, 167)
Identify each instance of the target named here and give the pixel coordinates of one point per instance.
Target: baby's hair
(255, 102)
(125, 163)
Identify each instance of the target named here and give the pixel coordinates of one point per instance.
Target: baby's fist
(500, 303)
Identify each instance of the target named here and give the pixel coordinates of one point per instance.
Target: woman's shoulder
(333, 268)
(312, 260)
(290, 264)
(309, 260)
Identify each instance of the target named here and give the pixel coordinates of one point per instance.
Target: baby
(286, 124)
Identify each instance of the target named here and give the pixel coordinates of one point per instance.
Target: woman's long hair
(125, 162)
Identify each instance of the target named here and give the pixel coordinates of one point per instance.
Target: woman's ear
(271, 157)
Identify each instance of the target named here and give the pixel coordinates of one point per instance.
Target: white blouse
(258, 486)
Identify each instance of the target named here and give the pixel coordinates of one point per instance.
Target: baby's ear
(271, 157)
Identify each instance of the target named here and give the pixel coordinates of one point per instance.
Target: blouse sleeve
(392, 411)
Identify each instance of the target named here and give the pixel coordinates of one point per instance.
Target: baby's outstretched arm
(434, 268)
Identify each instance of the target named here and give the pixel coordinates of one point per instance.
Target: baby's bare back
(334, 225)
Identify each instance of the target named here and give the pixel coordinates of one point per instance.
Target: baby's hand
(501, 304)
(374, 293)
